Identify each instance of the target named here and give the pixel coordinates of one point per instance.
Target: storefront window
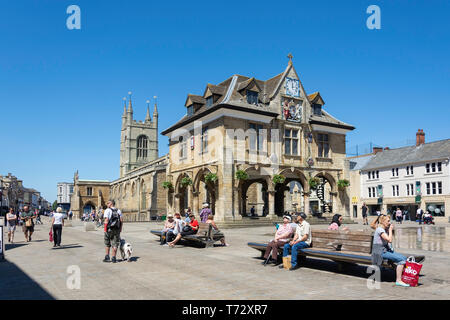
(436, 209)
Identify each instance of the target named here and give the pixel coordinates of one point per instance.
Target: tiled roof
(437, 150)
(357, 163)
(327, 118)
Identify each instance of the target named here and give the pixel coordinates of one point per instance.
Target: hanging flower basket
(314, 183)
(241, 175)
(342, 184)
(186, 181)
(167, 185)
(278, 178)
(210, 178)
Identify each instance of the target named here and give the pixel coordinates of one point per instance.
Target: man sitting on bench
(189, 229)
(302, 239)
(282, 236)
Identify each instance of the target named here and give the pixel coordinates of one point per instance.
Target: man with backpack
(113, 228)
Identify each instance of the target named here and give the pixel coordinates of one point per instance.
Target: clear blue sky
(61, 90)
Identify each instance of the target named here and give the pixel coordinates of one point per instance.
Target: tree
(55, 205)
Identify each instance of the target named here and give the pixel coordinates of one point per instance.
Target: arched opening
(255, 198)
(88, 208)
(321, 199)
(204, 192)
(290, 195)
(143, 196)
(182, 195)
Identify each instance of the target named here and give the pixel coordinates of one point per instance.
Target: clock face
(292, 87)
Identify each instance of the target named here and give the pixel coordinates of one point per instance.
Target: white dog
(125, 250)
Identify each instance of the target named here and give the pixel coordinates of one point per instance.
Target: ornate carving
(292, 110)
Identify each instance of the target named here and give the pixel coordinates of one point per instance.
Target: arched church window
(142, 145)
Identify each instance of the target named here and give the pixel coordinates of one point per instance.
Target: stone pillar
(195, 204)
(306, 204)
(271, 214)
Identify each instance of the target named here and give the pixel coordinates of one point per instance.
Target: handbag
(28, 223)
(187, 229)
(411, 272)
(50, 234)
(287, 262)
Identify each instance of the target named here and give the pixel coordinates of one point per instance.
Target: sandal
(401, 284)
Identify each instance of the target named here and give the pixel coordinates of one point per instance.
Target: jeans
(394, 257)
(294, 249)
(57, 232)
(167, 236)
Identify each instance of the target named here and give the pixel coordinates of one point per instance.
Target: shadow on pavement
(17, 285)
(9, 246)
(68, 246)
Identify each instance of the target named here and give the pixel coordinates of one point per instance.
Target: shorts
(25, 228)
(11, 228)
(112, 238)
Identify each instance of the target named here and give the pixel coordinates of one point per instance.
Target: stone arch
(329, 178)
(204, 192)
(181, 194)
(292, 175)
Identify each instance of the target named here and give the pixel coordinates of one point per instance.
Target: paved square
(36, 271)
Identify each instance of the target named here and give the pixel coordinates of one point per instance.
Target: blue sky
(61, 90)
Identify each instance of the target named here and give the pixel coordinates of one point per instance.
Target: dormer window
(209, 101)
(252, 97)
(317, 109)
(190, 110)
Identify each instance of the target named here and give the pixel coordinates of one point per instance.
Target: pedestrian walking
(11, 221)
(28, 224)
(57, 226)
(70, 215)
(364, 213)
(419, 215)
(206, 211)
(38, 217)
(113, 228)
(399, 215)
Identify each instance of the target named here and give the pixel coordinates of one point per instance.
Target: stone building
(262, 130)
(405, 178)
(138, 140)
(88, 195)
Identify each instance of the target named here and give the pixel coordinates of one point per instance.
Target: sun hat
(287, 217)
(205, 205)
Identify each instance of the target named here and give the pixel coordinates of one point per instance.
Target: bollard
(89, 226)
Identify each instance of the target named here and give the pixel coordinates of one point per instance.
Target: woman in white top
(11, 220)
(57, 224)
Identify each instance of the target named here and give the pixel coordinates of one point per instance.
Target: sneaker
(294, 268)
(401, 284)
(106, 259)
(113, 260)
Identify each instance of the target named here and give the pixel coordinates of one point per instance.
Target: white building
(407, 178)
(64, 193)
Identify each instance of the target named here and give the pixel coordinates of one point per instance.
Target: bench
(204, 235)
(351, 247)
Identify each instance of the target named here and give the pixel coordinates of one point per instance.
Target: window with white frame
(256, 140)
(395, 172)
(395, 191)
(183, 147)
(433, 167)
(409, 170)
(372, 192)
(439, 187)
(428, 184)
(204, 139)
(410, 189)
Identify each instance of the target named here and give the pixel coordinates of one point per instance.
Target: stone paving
(37, 271)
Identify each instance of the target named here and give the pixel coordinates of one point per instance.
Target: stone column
(271, 214)
(195, 204)
(306, 204)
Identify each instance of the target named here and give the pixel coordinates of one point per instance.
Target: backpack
(114, 221)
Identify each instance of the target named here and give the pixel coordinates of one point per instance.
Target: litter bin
(163, 218)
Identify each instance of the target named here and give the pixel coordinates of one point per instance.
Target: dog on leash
(125, 250)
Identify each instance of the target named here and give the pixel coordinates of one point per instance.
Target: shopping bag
(50, 234)
(287, 262)
(411, 272)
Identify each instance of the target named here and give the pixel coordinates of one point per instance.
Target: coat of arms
(292, 111)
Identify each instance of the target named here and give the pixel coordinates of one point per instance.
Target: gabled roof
(219, 90)
(316, 98)
(245, 84)
(192, 98)
(437, 150)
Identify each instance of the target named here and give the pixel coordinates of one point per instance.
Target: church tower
(138, 139)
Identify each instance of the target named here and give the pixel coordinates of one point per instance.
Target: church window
(89, 191)
(142, 145)
(252, 97)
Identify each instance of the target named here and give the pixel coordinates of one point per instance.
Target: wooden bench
(352, 247)
(204, 235)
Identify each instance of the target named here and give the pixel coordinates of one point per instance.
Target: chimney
(420, 137)
(377, 149)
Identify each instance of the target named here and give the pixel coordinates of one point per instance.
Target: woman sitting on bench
(282, 236)
(215, 230)
(382, 249)
(190, 228)
(336, 223)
